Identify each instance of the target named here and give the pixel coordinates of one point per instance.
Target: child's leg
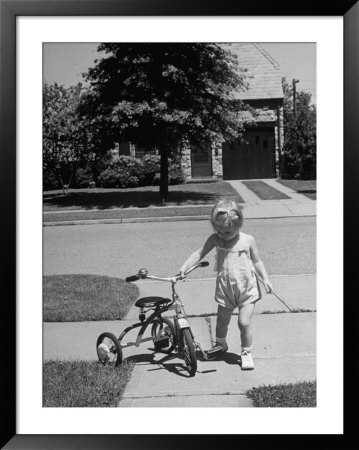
(245, 325)
(223, 318)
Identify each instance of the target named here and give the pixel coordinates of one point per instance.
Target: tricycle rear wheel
(108, 349)
(164, 327)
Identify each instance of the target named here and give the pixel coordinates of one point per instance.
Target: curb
(127, 220)
(156, 219)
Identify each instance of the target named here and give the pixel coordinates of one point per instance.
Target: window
(140, 152)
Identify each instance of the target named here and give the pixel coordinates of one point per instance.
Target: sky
(65, 62)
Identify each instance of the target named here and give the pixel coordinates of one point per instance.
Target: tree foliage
(67, 139)
(300, 136)
(157, 94)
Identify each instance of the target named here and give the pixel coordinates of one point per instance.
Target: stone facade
(186, 160)
(217, 166)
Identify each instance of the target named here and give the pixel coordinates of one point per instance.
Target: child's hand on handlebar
(181, 275)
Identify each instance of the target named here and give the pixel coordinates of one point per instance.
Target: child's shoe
(216, 350)
(246, 360)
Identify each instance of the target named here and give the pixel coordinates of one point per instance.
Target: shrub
(121, 173)
(128, 171)
(50, 180)
(175, 173)
(151, 166)
(84, 177)
(108, 178)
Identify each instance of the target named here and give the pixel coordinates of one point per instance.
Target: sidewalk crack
(190, 394)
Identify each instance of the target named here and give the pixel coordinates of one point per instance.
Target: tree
(300, 136)
(156, 95)
(66, 136)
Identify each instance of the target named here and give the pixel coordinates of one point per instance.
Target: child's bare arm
(196, 256)
(259, 265)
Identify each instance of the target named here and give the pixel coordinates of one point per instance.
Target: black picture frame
(9, 10)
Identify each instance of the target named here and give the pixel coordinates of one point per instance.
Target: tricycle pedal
(161, 342)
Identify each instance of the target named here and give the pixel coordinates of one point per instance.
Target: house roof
(264, 74)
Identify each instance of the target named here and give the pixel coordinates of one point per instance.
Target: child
(236, 284)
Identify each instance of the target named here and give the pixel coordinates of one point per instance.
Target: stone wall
(217, 166)
(186, 160)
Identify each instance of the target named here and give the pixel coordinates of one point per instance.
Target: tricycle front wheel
(189, 352)
(109, 350)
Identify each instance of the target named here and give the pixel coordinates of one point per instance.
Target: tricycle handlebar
(132, 278)
(143, 274)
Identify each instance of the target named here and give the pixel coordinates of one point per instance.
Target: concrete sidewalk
(285, 348)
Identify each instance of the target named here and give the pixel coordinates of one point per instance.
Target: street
(287, 246)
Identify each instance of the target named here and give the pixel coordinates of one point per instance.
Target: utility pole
(294, 82)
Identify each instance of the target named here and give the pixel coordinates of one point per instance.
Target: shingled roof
(265, 78)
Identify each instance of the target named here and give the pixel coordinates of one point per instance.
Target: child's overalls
(237, 283)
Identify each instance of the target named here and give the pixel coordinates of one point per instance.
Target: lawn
(126, 213)
(305, 187)
(297, 395)
(264, 191)
(181, 194)
(83, 383)
(77, 298)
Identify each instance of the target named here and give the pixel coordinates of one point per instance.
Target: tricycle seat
(148, 302)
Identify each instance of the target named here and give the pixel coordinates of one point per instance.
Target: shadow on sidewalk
(229, 358)
(177, 367)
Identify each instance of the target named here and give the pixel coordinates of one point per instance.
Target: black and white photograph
(179, 215)
(179, 203)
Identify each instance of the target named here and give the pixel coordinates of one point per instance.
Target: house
(258, 155)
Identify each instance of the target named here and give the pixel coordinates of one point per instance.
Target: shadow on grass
(305, 187)
(125, 199)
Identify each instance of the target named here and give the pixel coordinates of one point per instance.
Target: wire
(290, 308)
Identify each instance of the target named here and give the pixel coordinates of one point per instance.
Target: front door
(201, 160)
(253, 158)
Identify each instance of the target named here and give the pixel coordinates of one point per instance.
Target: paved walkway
(254, 207)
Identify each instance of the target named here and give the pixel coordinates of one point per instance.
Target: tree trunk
(164, 172)
(67, 173)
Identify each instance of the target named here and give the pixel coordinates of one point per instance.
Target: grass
(77, 298)
(305, 187)
(83, 383)
(264, 191)
(297, 395)
(121, 214)
(182, 194)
